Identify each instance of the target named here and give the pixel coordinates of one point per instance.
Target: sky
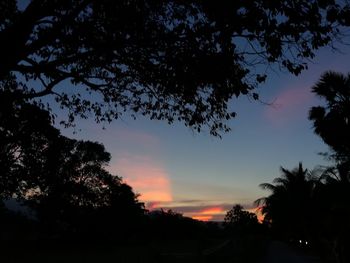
(202, 176)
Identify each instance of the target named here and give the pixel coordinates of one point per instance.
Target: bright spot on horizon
(207, 214)
(202, 218)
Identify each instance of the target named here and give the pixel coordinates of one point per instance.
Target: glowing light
(154, 195)
(212, 211)
(202, 217)
(152, 205)
(207, 213)
(258, 213)
(146, 176)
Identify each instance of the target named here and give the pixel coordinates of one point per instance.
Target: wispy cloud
(290, 104)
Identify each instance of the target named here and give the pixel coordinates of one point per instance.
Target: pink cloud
(146, 176)
(289, 105)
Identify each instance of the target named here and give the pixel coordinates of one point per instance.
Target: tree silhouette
(332, 197)
(168, 224)
(332, 121)
(64, 181)
(289, 207)
(169, 60)
(238, 220)
(25, 134)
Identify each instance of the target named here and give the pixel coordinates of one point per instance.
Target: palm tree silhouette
(287, 208)
(333, 192)
(331, 121)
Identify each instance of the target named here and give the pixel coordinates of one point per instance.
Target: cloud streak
(289, 105)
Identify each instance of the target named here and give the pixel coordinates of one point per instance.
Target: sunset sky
(202, 176)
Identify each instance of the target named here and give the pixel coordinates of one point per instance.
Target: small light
(306, 243)
(300, 241)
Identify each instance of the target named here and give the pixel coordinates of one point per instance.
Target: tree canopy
(168, 60)
(64, 181)
(331, 121)
(289, 206)
(239, 220)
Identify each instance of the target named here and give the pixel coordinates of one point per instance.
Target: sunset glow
(146, 176)
(258, 213)
(202, 218)
(207, 213)
(212, 211)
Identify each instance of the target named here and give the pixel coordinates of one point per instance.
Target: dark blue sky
(203, 176)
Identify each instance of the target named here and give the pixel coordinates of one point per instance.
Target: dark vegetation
(173, 61)
(314, 206)
(168, 60)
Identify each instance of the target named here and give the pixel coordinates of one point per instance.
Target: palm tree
(332, 120)
(333, 193)
(287, 208)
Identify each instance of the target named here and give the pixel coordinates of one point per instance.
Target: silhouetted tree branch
(170, 60)
(64, 181)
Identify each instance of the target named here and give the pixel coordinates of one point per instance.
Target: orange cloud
(207, 213)
(212, 211)
(146, 176)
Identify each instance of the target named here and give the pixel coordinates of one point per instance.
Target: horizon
(172, 167)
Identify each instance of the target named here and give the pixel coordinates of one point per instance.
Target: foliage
(312, 206)
(331, 123)
(25, 133)
(240, 220)
(63, 180)
(332, 198)
(169, 60)
(289, 206)
(168, 224)
(332, 120)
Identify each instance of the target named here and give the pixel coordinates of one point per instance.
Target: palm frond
(267, 186)
(260, 201)
(281, 181)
